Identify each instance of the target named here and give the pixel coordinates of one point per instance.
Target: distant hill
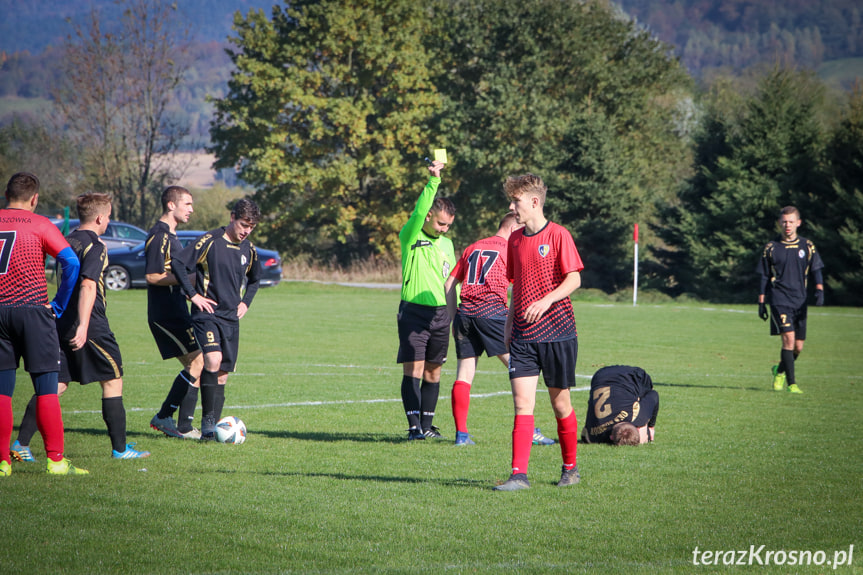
(736, 34)
(36, 24)
(706, 34)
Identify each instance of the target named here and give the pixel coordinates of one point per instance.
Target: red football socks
(522, 440)
(460, 404)
(567, 434)
(50, 422)
(6, 425)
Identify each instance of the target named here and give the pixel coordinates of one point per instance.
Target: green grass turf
(326, 482)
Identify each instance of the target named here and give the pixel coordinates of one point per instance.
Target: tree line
(331, 107)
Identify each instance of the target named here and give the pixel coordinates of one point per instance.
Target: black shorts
(174, 337)
(29, 332)
(98, 360)
(787, 319)
(217, 334)
(475, 335)
(554, 359)
(423, 333)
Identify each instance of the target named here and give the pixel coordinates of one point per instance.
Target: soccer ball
(231, 430)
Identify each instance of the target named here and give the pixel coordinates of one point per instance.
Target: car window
(126, 232)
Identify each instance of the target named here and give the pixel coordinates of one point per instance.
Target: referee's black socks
(430, 393)
(411, 400)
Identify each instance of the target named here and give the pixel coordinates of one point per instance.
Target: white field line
(316, 403)
(540, 389)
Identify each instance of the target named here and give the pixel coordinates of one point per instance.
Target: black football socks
(175, 394)
(186, 415)
(411, 400)
(430, 392)
(787, 362)
(114, 415)
(209, 385)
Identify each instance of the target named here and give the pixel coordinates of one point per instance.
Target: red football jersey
(537, 264)
(482, 273)
(25, 238)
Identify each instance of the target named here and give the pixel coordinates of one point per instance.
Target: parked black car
(126, 264)
(118, 234)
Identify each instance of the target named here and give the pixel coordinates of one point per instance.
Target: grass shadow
(703, 386)
(103, 431)
(445, 482)
(335, 436)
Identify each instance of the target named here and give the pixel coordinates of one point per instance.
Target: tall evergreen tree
(747, 167)
(839, 223)
(527, 85)
(593, 194)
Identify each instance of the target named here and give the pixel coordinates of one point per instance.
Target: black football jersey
(163, 302)
(220, 268)
(619, 393)
(786, 266)
(93, 256)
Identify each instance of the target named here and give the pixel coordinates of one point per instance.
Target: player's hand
(241, 310)
(204, 303)
(819, 297)
(535, 310)
(435, 168)
(80, 338)
(55, 307)
(762, 311)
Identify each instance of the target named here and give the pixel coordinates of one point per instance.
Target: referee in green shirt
(423, 321)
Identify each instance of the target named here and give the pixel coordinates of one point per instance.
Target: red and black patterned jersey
(25, 238)
(163, 302)
(785, 267)
(537, 264)
(482, 273)
(221, 269)
(93, 255)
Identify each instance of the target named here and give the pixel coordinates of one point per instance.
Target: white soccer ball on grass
(231, 429)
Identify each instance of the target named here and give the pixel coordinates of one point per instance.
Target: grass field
(326, 482)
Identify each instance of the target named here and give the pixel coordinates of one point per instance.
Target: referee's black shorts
(423, 333)
(475, 335)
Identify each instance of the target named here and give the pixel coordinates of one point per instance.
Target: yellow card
(440, 155)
